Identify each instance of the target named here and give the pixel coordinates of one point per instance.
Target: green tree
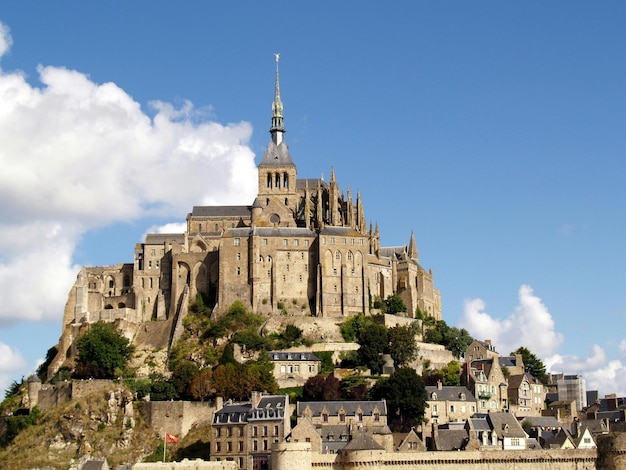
(402, 345)
(182, 375)
(42, 370)
(372, 344)
(405, 393)
(454, 339)
(102, 351)
(532, 364)
(352, 326)
(394, 305)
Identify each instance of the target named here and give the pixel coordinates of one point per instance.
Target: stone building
(448, 403)
(244, 432)
(302, 247)
(293, 368)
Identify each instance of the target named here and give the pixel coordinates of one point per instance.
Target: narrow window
(285, 180)
(237, 241)
(269, 180)
(277, 180)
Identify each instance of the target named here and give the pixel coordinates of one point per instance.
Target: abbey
(301, 248)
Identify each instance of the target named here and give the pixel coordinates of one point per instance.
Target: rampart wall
(295, 456)
(177, 417)
(187, 465)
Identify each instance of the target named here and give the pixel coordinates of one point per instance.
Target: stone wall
(177, 417)
(187, 465)
(296, 456)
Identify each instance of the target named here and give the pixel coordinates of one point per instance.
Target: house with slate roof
(244, 432)
(448, 403)
(526, 395)
(294, 368)
(499, 430)
(330, 425)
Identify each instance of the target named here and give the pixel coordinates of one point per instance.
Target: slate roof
(558, 440)
(505, 425)
(362, 441)
(276, 155)
(449, 393)
(242, 412)
(283, 232)
(220, 211)
(160, 238)
(508, 361)
(292, 356)
(350, 407)
(311, 182)
(339, 231)
(94, 465)
(516, 380)
(450, 439)
(543, 422)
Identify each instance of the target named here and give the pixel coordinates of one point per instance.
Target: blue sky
(493, 130)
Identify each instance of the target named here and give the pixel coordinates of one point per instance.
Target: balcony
(484, 395)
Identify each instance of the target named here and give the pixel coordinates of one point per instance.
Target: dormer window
(433, 396)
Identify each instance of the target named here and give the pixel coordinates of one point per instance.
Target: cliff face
(99, 422)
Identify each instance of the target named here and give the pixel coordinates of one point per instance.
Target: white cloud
(606, 376)
(6, 41)
(530, 325)
(11, 363)
(76, 155)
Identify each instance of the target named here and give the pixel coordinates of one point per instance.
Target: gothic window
(277, 180)
(349, 256)
(285, 180)
(269, 180)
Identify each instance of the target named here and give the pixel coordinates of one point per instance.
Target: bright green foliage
(237, 381)
(394, 305)
(103, 350)
(451, 374)
(42, 370)
(454, 339)
(14, 424)
(402, 345)
(373, 342)
(532, 364)
(327, 365)
(351, 327)
(405, 393)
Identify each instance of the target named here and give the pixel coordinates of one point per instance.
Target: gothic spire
(412, 251)
(278, 129)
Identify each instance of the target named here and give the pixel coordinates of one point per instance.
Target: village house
(293, 369)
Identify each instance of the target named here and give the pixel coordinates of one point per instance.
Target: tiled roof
(339, 231)
(543, 421)
(283, 232)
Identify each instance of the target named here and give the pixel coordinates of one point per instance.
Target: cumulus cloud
(76, 155)
(530, 325)
(11, 362)
(606, 376)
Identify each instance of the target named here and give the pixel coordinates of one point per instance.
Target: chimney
(488, 341)
(219, 403)
(255, 399)
(439, 385)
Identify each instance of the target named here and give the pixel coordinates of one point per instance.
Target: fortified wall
(177, 417)
(298, 456)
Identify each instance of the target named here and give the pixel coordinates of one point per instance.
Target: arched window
(286, 201)
(349, 256)
(277, 180)
(285, 180)
(337, 255)
(269, 180)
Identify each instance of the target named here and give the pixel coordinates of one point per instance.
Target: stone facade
(245, 432)
(301, 248)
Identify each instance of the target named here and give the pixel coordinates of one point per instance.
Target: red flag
(169, 439)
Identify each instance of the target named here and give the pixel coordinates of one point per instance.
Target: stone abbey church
(301, 248)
